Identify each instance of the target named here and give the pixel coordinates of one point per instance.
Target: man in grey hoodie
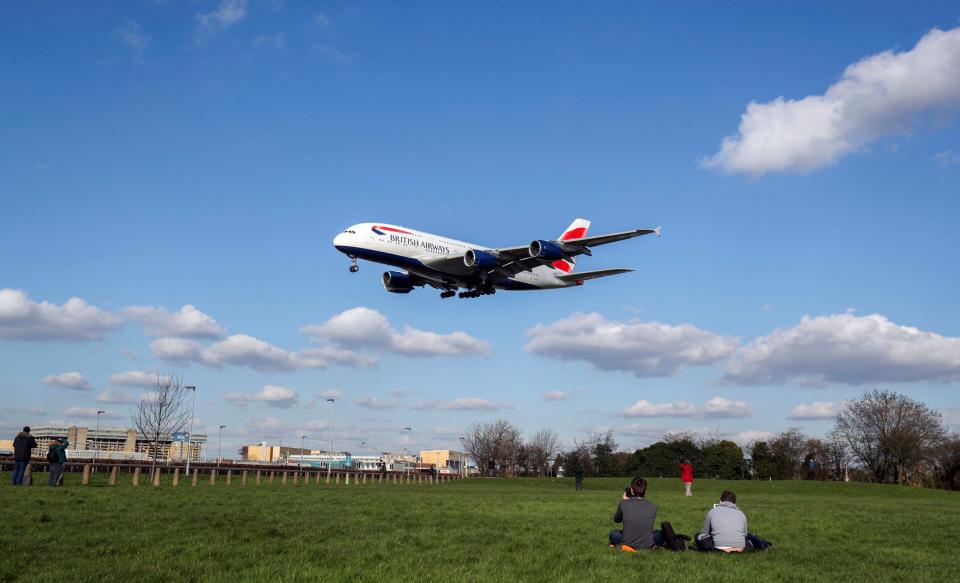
(726, 525)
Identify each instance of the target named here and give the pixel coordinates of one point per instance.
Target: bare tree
(497, 441)
(161, 412)
(838, 455)
(889, 433)
(541, 448)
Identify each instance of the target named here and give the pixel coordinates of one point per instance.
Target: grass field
(473, 530)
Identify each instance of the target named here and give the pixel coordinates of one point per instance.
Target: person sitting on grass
(637, 515)
(725, 527)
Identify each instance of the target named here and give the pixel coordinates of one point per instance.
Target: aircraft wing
(513, 260)
(587, 275)
(610, 238)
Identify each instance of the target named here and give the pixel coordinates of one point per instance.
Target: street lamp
(302, 437)
(96, 451)
(333, 404)
(219, 443)
(407, 467)
(193, 408)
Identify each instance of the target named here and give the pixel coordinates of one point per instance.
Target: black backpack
(671, 540)
(53, 457)
(758, 543)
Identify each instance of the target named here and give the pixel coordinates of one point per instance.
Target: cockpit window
(351, 232)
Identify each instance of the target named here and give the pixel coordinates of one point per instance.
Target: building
(446, 461)
(114, 443)
(263, 453)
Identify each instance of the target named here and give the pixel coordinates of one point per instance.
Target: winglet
(657, 231)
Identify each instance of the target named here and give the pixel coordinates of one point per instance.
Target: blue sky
(163, 154)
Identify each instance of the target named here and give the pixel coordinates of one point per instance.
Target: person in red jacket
(686, 475)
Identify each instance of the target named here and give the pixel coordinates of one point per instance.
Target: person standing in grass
(56, 457)
(686, 476)
(578, 478)
(637, 515)
(23, 445)
(726, 525)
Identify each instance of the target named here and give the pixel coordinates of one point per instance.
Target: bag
(671, 540)
(758, 543)
(704, 542)
(53, 457)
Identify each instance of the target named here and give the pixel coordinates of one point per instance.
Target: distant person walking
(23, 445)
(578, 477)
(491, 468)
(686, 476)
(56, 457)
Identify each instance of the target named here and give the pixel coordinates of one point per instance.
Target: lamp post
(405, 463)
(333, 404)
(96, 451)
(219, 443)
(302, 437)
(193, 408)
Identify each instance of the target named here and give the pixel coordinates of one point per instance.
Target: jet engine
(397, 282)
(547, 250)
(479, 259)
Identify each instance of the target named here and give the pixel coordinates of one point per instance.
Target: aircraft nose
(340, 240)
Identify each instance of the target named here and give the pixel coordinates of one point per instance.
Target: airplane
(450, 265)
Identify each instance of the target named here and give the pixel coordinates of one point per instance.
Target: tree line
(881, 436)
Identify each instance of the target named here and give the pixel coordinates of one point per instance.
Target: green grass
(473, 530)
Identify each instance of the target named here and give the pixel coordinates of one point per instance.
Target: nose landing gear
(353, 265)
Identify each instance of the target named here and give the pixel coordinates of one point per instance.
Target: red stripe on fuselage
(392, 230)
(574, 233)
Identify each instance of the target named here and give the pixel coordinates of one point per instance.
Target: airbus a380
(450, 265)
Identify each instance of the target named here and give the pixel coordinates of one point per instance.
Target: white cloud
(73, 381)
(644, 408)
(263, 424)
(374, 403)
(87, 412)
(75, 321)
(243, 350)
(228, 13)
(951, 416)
(815, 410)
(752, 435)
(271, 395)
(115, 397)
(330, 394)
(847, 349)
(947, 158)
(276, 40)
(187, 322)
(316, 425)
(461, 404)
(555, 396)
(647, 349)
(136, 378)
(880, 95)
(135, 38)
(366, 328)
(714, 408)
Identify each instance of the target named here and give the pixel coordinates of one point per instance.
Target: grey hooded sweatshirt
(727, 525)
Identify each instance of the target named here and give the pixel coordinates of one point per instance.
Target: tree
(762, 460)
(787, 451)
(541, 448)
(946, 463)
(721, 459)
(497, 441)
(161, 413)
(838, 455)
(604, 460)
(889, 433)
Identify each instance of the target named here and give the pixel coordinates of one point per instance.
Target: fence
(140, 473)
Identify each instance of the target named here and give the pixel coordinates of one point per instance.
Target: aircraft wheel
(354, 268)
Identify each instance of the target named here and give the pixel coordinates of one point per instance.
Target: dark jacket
(61, 451)
(637, 516)
(23, 445)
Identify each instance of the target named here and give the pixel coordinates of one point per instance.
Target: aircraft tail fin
(577, 229)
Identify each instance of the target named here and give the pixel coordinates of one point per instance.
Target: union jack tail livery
(450, 265)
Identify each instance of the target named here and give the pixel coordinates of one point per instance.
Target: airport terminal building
(116, 443)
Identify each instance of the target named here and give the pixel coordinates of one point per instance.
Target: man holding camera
(638, 516)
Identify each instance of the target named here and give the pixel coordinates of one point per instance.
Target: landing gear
(447, 294)
(353, 265)
(476, 293)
